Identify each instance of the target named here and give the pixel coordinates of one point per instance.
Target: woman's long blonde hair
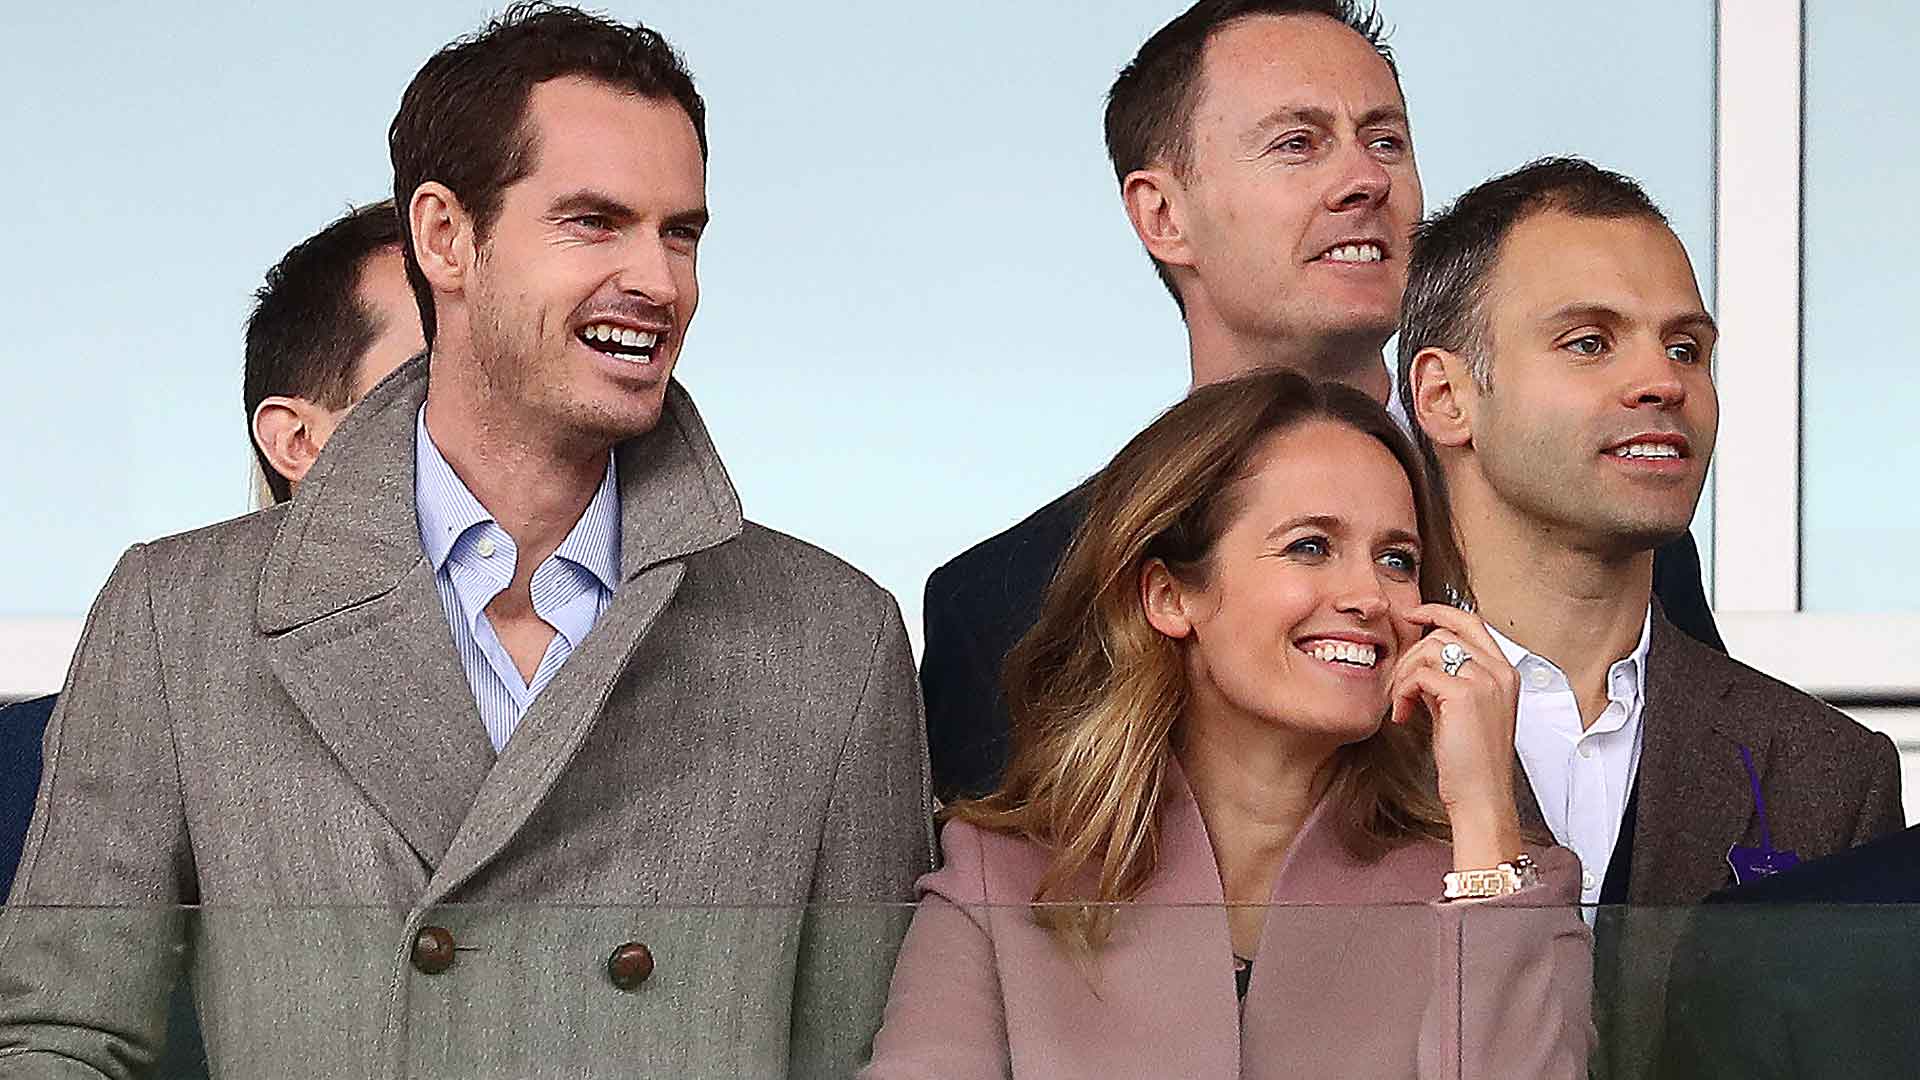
(1095, 690)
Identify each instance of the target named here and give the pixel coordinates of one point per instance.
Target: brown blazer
(1406, 987)
(1829, 784)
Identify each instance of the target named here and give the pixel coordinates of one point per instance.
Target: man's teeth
(1647, 450)
(620, 335)
(1343, 652)
(1355, 253)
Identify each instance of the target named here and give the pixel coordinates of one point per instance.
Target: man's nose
(1363, 181)
(647, 272)
(1656, 379)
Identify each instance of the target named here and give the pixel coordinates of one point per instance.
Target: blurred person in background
(334, 318)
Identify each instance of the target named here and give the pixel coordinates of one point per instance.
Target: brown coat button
(630, 965)
(433, 950)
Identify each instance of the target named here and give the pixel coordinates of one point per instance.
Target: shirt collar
(1634, 664)
(594, 542)
(447, 509)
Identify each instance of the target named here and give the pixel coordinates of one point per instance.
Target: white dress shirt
(1581, 776)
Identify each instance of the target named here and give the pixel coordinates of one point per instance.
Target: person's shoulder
(983, 866)
(1762, 699)
(785, 568)
(1041, 535)
(225, 555)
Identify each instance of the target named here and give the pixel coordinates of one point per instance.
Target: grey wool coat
(267, 719)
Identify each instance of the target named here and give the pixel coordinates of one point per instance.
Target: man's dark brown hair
(463, 119)
(1150, 106)
(309, 329)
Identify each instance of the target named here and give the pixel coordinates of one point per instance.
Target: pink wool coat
(1402, 987)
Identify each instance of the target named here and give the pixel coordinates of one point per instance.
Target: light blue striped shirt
(473, 559)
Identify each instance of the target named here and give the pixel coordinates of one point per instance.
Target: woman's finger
(1470, 628)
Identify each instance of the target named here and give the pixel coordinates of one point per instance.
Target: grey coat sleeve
(878, 840)
(90, 941)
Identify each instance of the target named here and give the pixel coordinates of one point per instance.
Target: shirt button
(1586, 879)
(485, 547)
(1586, 750)
(1538, 678)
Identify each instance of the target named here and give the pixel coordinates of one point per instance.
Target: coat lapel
(1179, 932)
(357, 635)
(675, 501)
(1695, 799)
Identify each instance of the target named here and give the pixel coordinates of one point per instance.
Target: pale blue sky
(923, 313)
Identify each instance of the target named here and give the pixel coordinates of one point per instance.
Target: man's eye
(593, 221)
(1295, 144)
(1683, 352)
(1590, 345)
(1391, 143)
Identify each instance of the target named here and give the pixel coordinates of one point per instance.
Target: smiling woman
(1234, 693)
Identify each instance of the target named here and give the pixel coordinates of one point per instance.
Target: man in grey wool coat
(507, 748)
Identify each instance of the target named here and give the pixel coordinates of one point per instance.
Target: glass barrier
(1481, 990)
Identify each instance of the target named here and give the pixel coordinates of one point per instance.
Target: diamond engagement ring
(1453, 658)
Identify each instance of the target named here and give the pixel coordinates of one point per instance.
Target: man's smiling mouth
(620, 342)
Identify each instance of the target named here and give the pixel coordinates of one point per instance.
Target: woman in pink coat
(1235, 722)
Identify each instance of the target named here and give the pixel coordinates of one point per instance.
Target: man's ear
(1164, 600)
(1444, 396)
(1152, 201)
(291, 431)
(442, 236)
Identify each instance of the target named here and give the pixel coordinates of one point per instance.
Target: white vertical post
(1756, 527)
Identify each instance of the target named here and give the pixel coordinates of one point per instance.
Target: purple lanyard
(1750, 863)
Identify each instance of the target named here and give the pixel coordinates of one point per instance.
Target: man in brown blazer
(1556, 355)
(507, 748)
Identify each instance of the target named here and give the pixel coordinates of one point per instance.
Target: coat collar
(359, 638)
(353, 532)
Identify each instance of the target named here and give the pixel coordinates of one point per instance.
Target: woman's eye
(1590, 345)
(1401, 561)
(1311, 546)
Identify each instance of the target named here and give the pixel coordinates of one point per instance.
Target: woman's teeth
(1343, 652)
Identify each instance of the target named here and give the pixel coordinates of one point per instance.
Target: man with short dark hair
(569, 768)
(334, 317)
(1265, 160)
(1556, 357)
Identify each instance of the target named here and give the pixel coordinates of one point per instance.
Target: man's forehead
(1553, 262)
(582, 125)
(1263, 61)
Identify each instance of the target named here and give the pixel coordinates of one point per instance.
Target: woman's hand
(1473, 714)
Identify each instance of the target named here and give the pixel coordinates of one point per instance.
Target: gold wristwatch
(1502, 880)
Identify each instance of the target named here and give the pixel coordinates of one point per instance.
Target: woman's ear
(1164, 600)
